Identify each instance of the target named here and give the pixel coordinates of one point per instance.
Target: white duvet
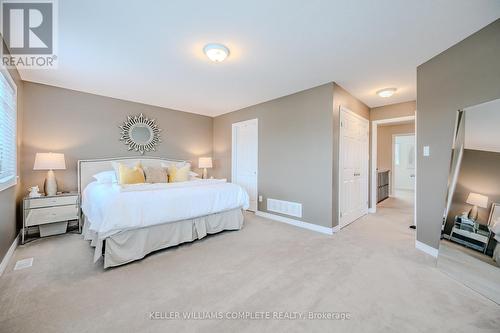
(111, 208)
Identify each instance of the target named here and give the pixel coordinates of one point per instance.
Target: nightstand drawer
(50, 215)
(51, 201)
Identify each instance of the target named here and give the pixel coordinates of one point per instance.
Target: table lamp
(204, 163)
(475, 200)
(50, 162)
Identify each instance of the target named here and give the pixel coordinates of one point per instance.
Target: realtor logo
(28, 28)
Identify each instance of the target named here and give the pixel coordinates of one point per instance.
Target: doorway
(403, 162)
(353, 167)
(381, 157)
(244, 158)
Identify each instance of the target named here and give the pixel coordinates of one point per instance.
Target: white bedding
(111, 208)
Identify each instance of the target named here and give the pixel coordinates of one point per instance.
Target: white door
(245, 158)
(404, 162)
(353, 173)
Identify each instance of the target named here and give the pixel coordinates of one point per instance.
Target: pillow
(178, 174)
(116, 167)
(128, 175)
(167, 165)
(105, 177)
(155, 175)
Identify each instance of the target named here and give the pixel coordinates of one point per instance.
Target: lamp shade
(49, 161)
(477, 200)
(204, 162)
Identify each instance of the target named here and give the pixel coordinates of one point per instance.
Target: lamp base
(50, 184)
(473, 213)
(205, 173)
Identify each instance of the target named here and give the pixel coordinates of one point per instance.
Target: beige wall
(464, 75)
(479, 173)
(9, 198)
(85, 126)
(295, 150)
(342, 98)
(393, 111)
(384, 143)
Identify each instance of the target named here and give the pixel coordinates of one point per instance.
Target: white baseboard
(426, 248)
(297, 223)
(372, 210)
(8, 255)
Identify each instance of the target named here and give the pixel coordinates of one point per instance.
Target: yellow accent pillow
(178, 174)
(129, 175)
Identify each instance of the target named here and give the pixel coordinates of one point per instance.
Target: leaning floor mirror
(470, 247)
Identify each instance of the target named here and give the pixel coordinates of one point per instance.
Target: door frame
(233, 155)
(393, 183)
(373, 164)
(367, 168)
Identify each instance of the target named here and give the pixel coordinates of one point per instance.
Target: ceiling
(151, 52)
(482, 127)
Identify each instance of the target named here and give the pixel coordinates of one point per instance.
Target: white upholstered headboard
(88, 168)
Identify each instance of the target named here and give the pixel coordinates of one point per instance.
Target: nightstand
(50, 213)
(470, 233)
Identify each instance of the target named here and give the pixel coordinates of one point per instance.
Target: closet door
(245, 158)
(353, 167)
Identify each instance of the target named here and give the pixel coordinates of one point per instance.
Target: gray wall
(295, 150)
(9, 198)
(85, 126)
(298, 159)
(479, 173)
(464, 75)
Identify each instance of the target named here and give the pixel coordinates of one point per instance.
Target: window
(8, 129)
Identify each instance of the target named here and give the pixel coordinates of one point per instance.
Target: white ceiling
(482, 127)
(151, 51)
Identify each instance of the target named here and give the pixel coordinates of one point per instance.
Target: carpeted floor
(370, 270)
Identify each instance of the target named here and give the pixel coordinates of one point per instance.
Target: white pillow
(192, 175)
(177, 164)
(105, 177)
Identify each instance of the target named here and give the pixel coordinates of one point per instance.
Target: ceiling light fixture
(216, 52)
(387, 92)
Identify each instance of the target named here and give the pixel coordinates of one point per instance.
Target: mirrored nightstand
(50, 213)
(470, 233)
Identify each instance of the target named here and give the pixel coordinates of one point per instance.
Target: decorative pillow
(129, 175)
(130, 164)
(105, 177)
(155, 175)
(178, 174)
(167, 165)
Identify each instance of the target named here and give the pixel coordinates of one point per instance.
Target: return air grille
(284, 207)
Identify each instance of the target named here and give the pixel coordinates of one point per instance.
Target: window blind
(8, 129)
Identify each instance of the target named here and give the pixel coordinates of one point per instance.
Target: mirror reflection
(141, 134)
(470, 246)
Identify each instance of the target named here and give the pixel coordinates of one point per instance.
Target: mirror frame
(134, 121)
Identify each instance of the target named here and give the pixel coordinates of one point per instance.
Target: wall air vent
(284, 207)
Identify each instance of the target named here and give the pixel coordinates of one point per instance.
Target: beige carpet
(370, 269)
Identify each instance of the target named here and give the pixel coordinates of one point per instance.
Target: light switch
(426, 151)
(260, 198)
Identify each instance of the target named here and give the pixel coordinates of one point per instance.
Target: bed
(125, 223)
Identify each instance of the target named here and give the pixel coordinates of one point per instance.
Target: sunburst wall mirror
(140, 133)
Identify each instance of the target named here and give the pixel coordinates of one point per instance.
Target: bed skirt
(135, 244)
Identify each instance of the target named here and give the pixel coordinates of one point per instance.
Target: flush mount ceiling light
(387, 92)
(216, 52)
